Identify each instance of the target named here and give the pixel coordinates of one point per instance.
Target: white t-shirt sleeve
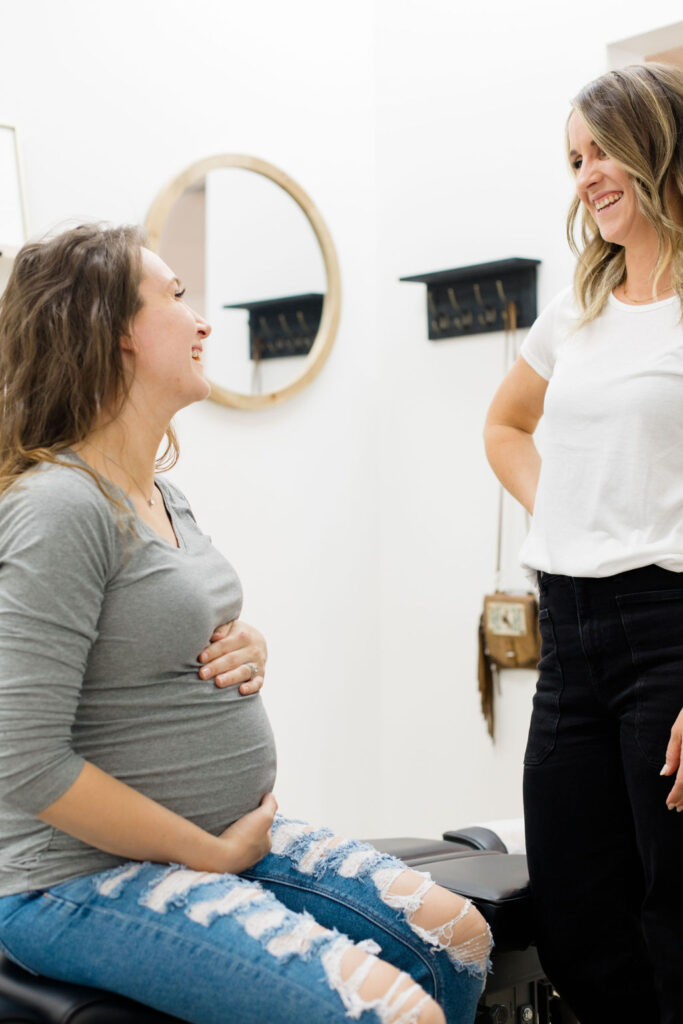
(541, 344)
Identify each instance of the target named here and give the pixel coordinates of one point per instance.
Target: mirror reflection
(252, 266)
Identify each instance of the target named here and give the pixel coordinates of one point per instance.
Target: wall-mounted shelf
(282, 327)
(475, 299)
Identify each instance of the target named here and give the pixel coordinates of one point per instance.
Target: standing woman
(140, 850)
(603, 365)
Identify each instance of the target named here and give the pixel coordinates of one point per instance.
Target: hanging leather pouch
(509, 637)
(511, 630)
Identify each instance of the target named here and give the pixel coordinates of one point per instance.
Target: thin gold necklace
(149, 501)
(641, 301)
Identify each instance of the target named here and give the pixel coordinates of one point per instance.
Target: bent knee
(457, 926)
(364, 982)
(440, 917)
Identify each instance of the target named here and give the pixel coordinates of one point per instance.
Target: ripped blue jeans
(271, 944)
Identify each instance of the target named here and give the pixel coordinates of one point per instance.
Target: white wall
(360, 515)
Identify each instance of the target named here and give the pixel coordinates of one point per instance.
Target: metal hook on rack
(503, 301)
(302, 320)
(482, 318)
(452, 299)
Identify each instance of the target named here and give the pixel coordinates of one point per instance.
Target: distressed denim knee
(463, 933)
(449, 940)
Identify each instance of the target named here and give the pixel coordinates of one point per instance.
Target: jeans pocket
(653, 625)
(545, 716)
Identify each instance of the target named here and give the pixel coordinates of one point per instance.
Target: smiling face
(165, 345)
(605, 189)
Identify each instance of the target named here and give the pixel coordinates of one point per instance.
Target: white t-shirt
(610, 493)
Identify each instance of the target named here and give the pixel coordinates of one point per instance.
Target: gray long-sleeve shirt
(99, 637)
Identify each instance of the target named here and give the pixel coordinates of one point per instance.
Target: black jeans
(605, 853)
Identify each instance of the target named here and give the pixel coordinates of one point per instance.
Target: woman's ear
(127, 343)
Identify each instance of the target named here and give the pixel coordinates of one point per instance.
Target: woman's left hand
(674, 763)
(235, 656)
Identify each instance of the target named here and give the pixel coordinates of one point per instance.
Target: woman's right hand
(248, 839)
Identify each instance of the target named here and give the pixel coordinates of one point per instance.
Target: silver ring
(253, 669)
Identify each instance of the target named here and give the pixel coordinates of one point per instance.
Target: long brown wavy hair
(69, 301)
(635, 115)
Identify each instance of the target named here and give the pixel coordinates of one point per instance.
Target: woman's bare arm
(512, 418)
(108, 814)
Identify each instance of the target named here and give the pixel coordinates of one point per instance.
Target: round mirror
(257, 261)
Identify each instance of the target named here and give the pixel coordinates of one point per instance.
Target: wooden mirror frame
(320, 350)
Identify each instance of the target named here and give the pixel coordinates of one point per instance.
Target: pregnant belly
(212, 763)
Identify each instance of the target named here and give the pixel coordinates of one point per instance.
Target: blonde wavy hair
(69, 301)
(635, 115)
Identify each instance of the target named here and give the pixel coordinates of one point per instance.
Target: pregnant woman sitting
(140, 845)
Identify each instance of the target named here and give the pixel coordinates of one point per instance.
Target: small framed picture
(506, 618)
(12, 205)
